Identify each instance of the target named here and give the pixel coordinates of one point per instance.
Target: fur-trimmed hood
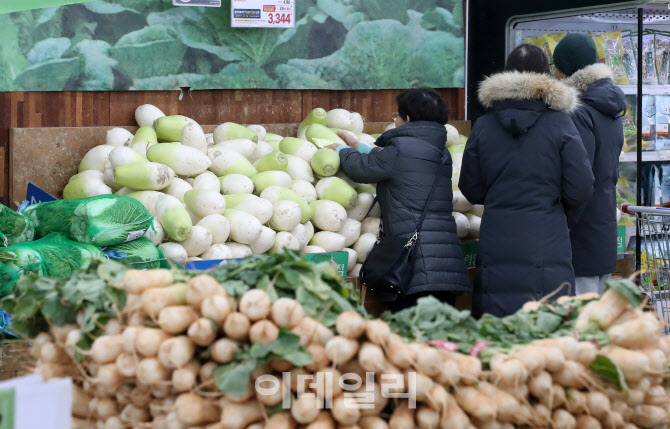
(528, 86)
(597, 89)
(587, 76)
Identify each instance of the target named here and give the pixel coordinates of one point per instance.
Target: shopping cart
(654, 257)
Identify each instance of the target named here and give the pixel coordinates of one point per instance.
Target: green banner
(339, 260)
(8, 6)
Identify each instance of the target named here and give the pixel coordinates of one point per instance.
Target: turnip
(176, 352)
(236, 326)
(286, 215)
(370, 357)
(201, 287)
(239, 251)
(304, 233)
(286, 313)
(133, 414)
(199, 241)
(281, 420)
(229, 162)
(51, 353)
(275, 161)
(150, 371)
(118, 137)
(608, 308)
(649, 415)
(223, 351)
(147, 114)
(643, 331)
(634, 365)
(587, 353)
(236, 184)
(105, 408)
(193, 410)
(232, 131)
(244, 147)
(532, 358)
(263, 332)
(207, 181)
(174, 252)
(204, 202)
(329, 241)
(106, 348)
(341, 349)
(124, 155)
(240, 416)
(218, 226)
(153, 300)
(255, 304)
(337, 190)
(305, 409)
(176, 319)
(173, 216)
(297, 147)
(96, 158)
(374, 422)
(377, 332)
(202, 332)
(476, 404)
(346, 412)
(364, 245)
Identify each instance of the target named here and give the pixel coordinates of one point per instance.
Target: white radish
(285, 240)
(119, 137)
(124, 155)
(192, 135)
(364, 245)
(305, 189)
(361, 210)
(147, 114)
(329, 241)
(236, 184)
(199, 241)
(155, 233)
(217, 252)
(175, 252)
(244, 147)
(218, 226)
(371, 225)
(304, 233)
(204, 202)
(350, 230)
(239, 251)
(286, 215)
(244, 228)
(265, 241)
(207, 181)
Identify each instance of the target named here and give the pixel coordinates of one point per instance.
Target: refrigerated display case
(619, 30)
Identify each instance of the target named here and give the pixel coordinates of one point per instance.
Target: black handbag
(388, 267)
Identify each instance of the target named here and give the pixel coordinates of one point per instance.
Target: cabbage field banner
(152, 45)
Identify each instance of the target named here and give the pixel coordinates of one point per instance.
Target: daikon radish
(199, 241)
(304, 233)
(236, 184)
(144, 176)
(204, 202)
(260, 131)
(208, 181)
(174, 252)
(316, 116)
(461, 204)
(331, 216)
(183, 160)
(262, 148)
(124, 155)
(462, 224)
(218, 226)
(275, 161)
(361, 210)
(355, 271)
(119, 137)
(156, 233)
(364, 245)
(285, 240)
(229, 162)
(337, 190)
(173, 216)
(475, 223)
(353, 258)
(299, 169)
(192, 135)
(370, 225)
(244, 228)
(262, 209)
(286, 215)
(305, 190)
(81, 186)
(275, 194)
(147, 114)
(330, 241)
(244, 147)
(297, 147)
(267, 179)
(217, 252)
(309, 250)
(239, 251)
(265, 241)
(232, 131)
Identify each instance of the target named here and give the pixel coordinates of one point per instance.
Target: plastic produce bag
(51, 256)
(14, 227)
(139, 254)
(105, 220)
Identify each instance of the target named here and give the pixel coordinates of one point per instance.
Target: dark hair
(422, 104)
(527, 58)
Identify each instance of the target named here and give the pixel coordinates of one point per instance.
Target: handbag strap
(425, 209)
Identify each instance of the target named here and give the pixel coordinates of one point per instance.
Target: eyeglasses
(394, 116)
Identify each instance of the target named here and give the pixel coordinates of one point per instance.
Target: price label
(263, 13)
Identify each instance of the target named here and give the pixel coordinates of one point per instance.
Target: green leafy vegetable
(627, 289)
(609, 372)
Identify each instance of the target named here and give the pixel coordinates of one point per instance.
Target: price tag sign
(262, 13)
(201, 3)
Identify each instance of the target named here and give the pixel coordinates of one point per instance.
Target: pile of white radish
(154, 367)
(242, 190)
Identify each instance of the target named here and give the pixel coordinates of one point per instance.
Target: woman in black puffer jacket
(404, 165)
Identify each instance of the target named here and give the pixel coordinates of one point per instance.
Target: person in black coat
(404, 165)
(526, 163)
(599, 122)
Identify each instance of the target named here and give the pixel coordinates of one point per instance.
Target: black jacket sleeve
(471, 182)
(577, 175)
(369, 168)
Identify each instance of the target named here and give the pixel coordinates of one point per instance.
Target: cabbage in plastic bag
(52, 256)
(140, 254)
(105, 220)
(14, 227)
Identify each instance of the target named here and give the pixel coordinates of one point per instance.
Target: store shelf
(646, 89)
(647, 156)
